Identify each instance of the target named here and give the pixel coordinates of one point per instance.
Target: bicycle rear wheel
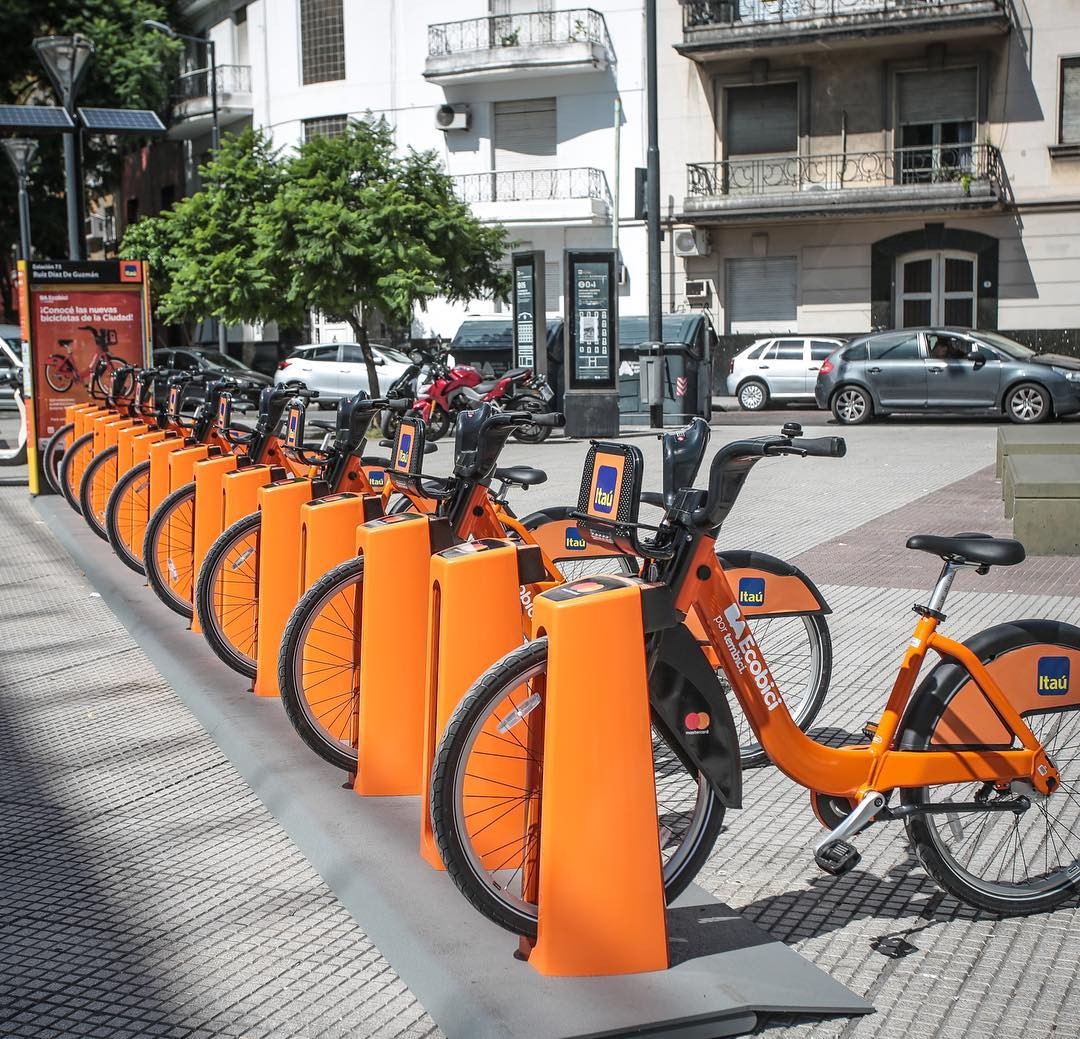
(126, 516)
(51, 457)
(97, 484)
(227, 594)
(169, 550)
(73, 467)
(486, 789)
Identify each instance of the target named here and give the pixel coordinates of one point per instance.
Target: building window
(936, 288)
(325, 126)
(761, 130)
(1069, 122)
(168, 197)
(936, 116)
(524, 133)
(760, 294)
(322, 40)
(131, 211)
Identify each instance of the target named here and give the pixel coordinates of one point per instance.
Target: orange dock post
(392, 617)
(328, 531)
(609, 918)
(125, 439)
(240, 491)
(474, 618)
(279, 573)
(159, 468)
(182, 465)
(209, 511)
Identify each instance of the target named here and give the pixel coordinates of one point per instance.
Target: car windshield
(223, 360)
(1007, 346)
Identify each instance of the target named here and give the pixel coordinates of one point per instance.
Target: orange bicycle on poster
(62, 371)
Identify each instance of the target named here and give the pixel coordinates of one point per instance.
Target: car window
(757, 351)
(769, 353)
(856, 352)
(163, 358)
(790, 349)
(941, 347)
(318, 353)
(821, 348)
(184, 361)
(902, 347)
(351, 353)
(393, 355)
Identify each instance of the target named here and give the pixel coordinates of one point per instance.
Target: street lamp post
(215, 129)
(652, 202)
(21, 152)
(67, 60)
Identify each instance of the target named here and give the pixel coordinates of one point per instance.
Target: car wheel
(1028, 403)
(753, 395)
(852, 405)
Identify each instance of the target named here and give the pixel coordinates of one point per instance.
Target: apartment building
(841, 165)
(536, 110)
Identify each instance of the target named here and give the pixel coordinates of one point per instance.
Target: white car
(780, 368)
(10, 360)
(338, 370)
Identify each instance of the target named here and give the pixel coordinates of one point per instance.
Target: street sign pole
(529, 309)
(591, 343)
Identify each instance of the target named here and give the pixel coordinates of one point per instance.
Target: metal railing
(530, 29)
(699, 14)
(231, 79)
(962, 164)
(532, 185)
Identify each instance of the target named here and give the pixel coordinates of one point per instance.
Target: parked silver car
(781, 368)
(338, 370)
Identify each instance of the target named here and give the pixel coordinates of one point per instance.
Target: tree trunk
(360, 331)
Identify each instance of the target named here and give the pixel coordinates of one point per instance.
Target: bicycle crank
(834, 853)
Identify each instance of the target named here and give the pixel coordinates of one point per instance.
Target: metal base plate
(461, 967)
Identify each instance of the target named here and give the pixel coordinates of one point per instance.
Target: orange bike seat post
(159, 468)
(475, 618)
(209, 513)
(599, 794)
(393, 647)
(280, 566)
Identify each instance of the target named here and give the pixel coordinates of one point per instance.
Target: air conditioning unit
(692, 243)
(698, 293)
(452, 117)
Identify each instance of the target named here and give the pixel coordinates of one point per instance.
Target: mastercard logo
(696, 721)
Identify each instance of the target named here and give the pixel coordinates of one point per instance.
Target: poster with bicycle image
(86, 320)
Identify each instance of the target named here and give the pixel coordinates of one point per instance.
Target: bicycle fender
(767, 586)
(689, 703)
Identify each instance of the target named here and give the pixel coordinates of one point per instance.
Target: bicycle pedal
(837, 857)
(870, 730)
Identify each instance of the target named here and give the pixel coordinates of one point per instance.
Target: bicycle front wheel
(126, 516)
(55, 447)
(486, 789)
(76, 461)
(169, 550)
(227, 594)
(97, 484)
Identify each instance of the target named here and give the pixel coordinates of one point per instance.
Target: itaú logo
(377, 478)
(574, 540)
(1053, 676)
(404, 450)
(604, 498)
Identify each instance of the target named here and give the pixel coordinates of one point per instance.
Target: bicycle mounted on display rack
(989, 806)
(61, 371)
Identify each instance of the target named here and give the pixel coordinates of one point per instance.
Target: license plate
(547, 392)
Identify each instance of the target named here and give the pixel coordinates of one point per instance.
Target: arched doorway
(936, 287)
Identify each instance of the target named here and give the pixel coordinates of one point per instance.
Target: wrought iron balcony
(712, 27)
(521, 44)
(231, 79)
(533, 185)
(192, 109)
(900, 178)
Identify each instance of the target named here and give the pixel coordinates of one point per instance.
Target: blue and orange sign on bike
(85, 320)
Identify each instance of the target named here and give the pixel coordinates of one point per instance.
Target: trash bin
(685, 381)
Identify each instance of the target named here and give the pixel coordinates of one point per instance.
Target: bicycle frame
(852, 771)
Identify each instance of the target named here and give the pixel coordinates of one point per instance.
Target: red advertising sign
(82, 317)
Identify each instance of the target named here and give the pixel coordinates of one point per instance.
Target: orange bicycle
(979, 761)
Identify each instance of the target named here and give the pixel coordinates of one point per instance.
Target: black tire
(1028, 404)
(51, 457)
(93, 504)
(132, 490)
(440, 423)
(156, 531)
(103, 383)
(1049, 887)
(802, 672)
(73, 466)
(389, 422)
(206, 593)
(852, 405)
(336, 752)
(753, 395)
(487, 692)
(60, 373)
(531, 402)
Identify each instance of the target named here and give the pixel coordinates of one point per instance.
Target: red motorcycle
(463, 388)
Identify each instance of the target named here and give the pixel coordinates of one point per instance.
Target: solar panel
(121, 120)
(43, 118)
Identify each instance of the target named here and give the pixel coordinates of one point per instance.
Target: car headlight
(1069, 373)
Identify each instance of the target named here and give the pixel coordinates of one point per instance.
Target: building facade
(843, 165)
(537, 112)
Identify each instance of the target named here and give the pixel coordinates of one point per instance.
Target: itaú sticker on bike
(752, 591)
(377, 478)
(574, 541)
(1053, 676)
(745, 655)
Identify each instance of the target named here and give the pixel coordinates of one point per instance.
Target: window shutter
(763, 120)
(762, 292)
(944, 96)
(524, 133)
(1070, 102)
(553, 286)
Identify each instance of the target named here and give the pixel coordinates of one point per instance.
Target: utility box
(651, 374)
(591, 402)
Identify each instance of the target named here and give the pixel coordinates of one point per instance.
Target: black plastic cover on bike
(610, 495)
(683, 450)
(224, 411)
(690, 707)
(294, 425)
(407, 458)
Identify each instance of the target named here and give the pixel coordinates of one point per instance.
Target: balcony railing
(533, 185)
(700, 14)
(965, 165)
(231, 79)
(531, 29)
